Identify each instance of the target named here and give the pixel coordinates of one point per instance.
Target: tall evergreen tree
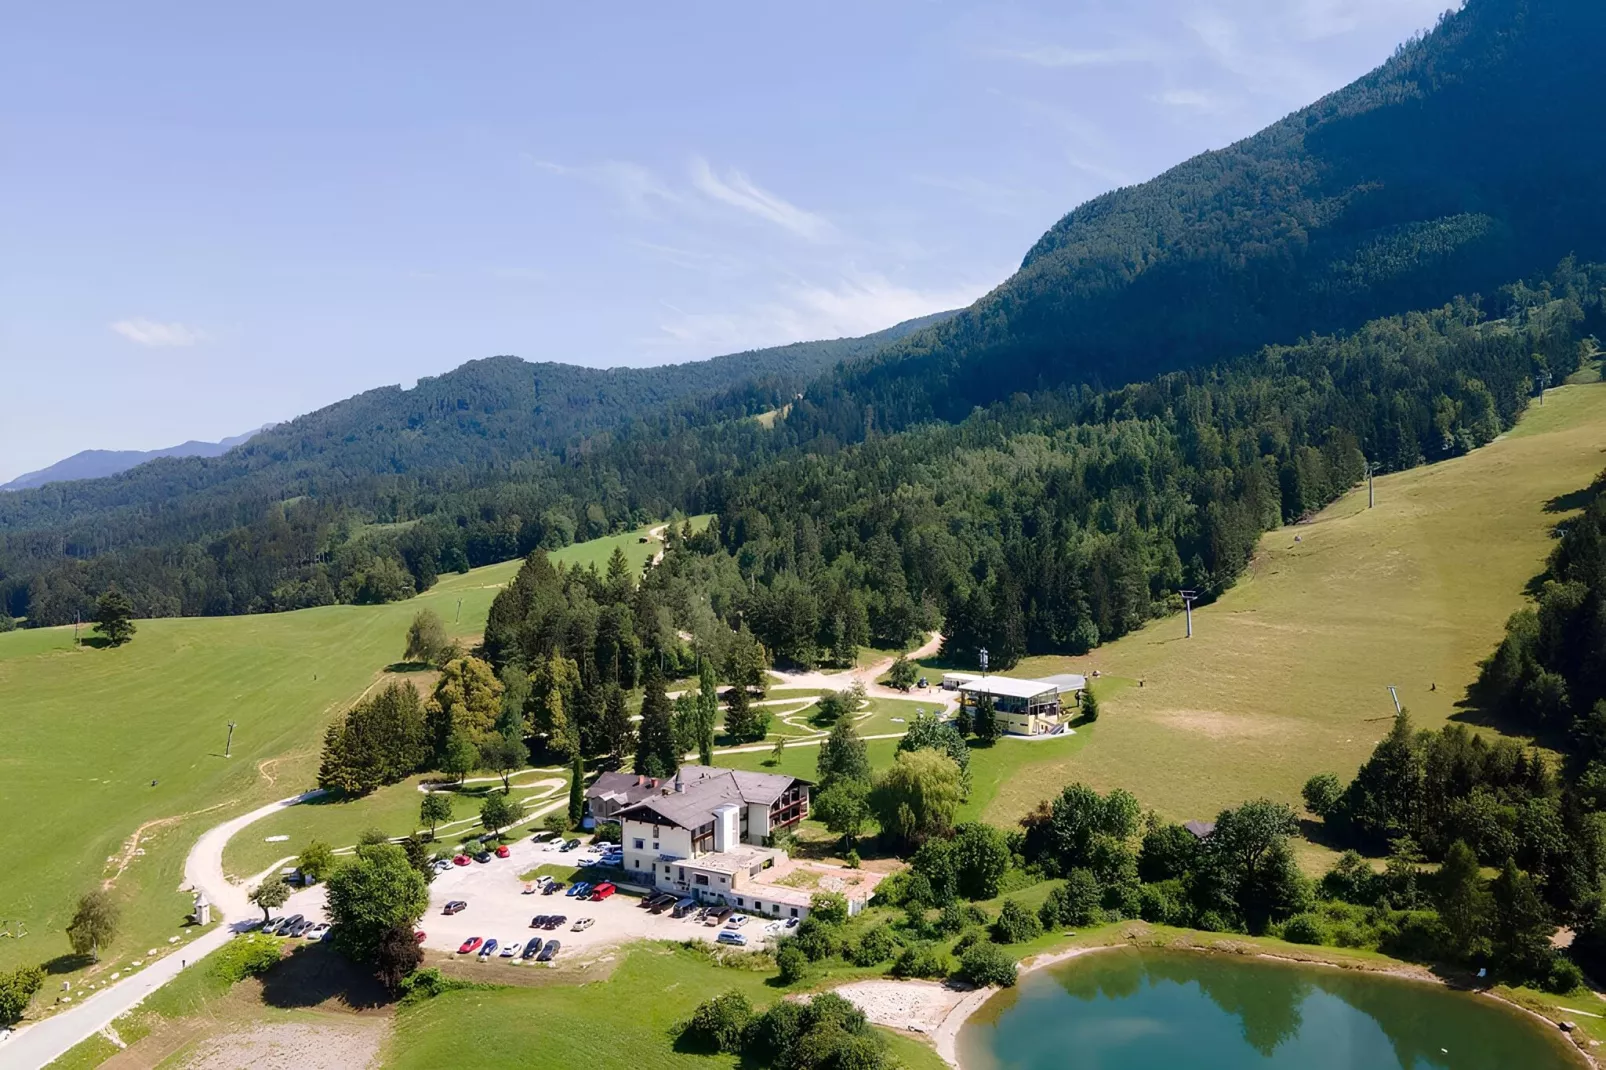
(618, 731)
(1522, 925)
(577, 791)
(1463, 902)
(707, 712)
(843, 756)
(655, 740)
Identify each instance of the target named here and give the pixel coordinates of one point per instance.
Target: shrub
(894, 889)
(921, 960)
(852, 860)
(316, 860)
(816, 939)
(246, 956)
(1076, 902)
(1016, 924)
(1564, 976)
(1162, 903)
(1212, 922)
(429, 983)
(875, 946)
(556, 821)
(792, 962)
(719, 1023)
(969, 937)
(987, 964)
(1322, 793)
(16, 988)
(829, 908)
(1124, 900)
(951, 920)
(1305, 929)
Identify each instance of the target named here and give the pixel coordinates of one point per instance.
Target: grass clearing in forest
(1286, 674)
(86, 732)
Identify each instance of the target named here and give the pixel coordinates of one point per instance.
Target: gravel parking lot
(498, 908)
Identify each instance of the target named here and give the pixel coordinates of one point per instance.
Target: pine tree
(843, 756)
(986, 726)
(112, 617)
(655, 741)
(1463, 902)
(738, 714)
(1090, 705)
(618, 731)
(962, 723)
(1522, 925)
(577, 794)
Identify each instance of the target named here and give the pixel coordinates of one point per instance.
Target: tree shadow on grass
(409, 666)
(68, 963)
(316, 974)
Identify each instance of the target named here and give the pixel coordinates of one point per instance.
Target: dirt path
(867, 676)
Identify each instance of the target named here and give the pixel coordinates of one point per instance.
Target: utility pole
(1372, 468)
(459, 611)
(1541, 381)
(983, 653)
(1188, 598)
(76, 624)
(228, 746)
(1395, 695)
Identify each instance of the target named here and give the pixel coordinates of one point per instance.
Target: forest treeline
(1045, 522)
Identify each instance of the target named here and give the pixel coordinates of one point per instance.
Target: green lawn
(1285, 675)
(623, 1021)
(86, 731)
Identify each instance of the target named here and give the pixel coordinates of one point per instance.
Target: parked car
(736, 921)
(602, 891)
(582, 924)
(579, 889)
(549, 952)
(419, 936)
(460, 860)
(289, 924)
(552, 886)
(731, 936)
(482, 857)
(501, 850)
(556, 921)
(318, 931)
(488, 948)
(531, 949)
(510, 949)
(542, 836)
(684, 907)
(538, 921)
(663, 902)
(791, 923)
(718, 915)
(571, 845)
(468, 946)
(441, 865)
(456, 906)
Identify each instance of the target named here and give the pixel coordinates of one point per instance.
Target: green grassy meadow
(1286, 673)
(622, 1021)
(86, 731)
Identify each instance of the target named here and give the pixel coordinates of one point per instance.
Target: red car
(419, 936)
(501, 851)
(602, 891)
(461, 860)
(469, 945)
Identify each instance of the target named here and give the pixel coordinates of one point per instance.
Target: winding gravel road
(37, 1045)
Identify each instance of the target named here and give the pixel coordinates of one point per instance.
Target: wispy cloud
(637, 188)
(1061, 56)
(739, 191)
(853, 303)
(1192, 100)
(158, 335)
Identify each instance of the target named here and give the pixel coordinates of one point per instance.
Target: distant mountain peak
(93, 464)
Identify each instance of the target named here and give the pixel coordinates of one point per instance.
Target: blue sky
(219, 215)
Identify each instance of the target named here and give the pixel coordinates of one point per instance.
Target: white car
(510, 949)
(318, 931)
(736, 921)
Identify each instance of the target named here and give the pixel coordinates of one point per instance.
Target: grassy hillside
(1286, 675)
(86, 732)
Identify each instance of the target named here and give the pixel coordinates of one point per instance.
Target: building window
(740, 901)
(724, 880)
(640, 844)
(757, 905)
(701, 878)
(683, 873)
(794, 912)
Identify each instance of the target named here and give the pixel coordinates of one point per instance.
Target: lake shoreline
(952, 1007)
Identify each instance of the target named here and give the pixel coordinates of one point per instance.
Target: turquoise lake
(1135, 1009)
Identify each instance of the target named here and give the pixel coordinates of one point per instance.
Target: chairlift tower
(1188, 598)
(1372, 468)
(1395, 695)
(1541, 381)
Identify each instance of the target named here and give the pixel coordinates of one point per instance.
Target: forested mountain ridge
(1466, 160)
(492, 413)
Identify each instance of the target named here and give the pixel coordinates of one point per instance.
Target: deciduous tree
(376, 891)
(94, 923)
(270, 895)
(917, 797)
(114, 617)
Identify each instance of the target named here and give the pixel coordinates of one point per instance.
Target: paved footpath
(37, 1045)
